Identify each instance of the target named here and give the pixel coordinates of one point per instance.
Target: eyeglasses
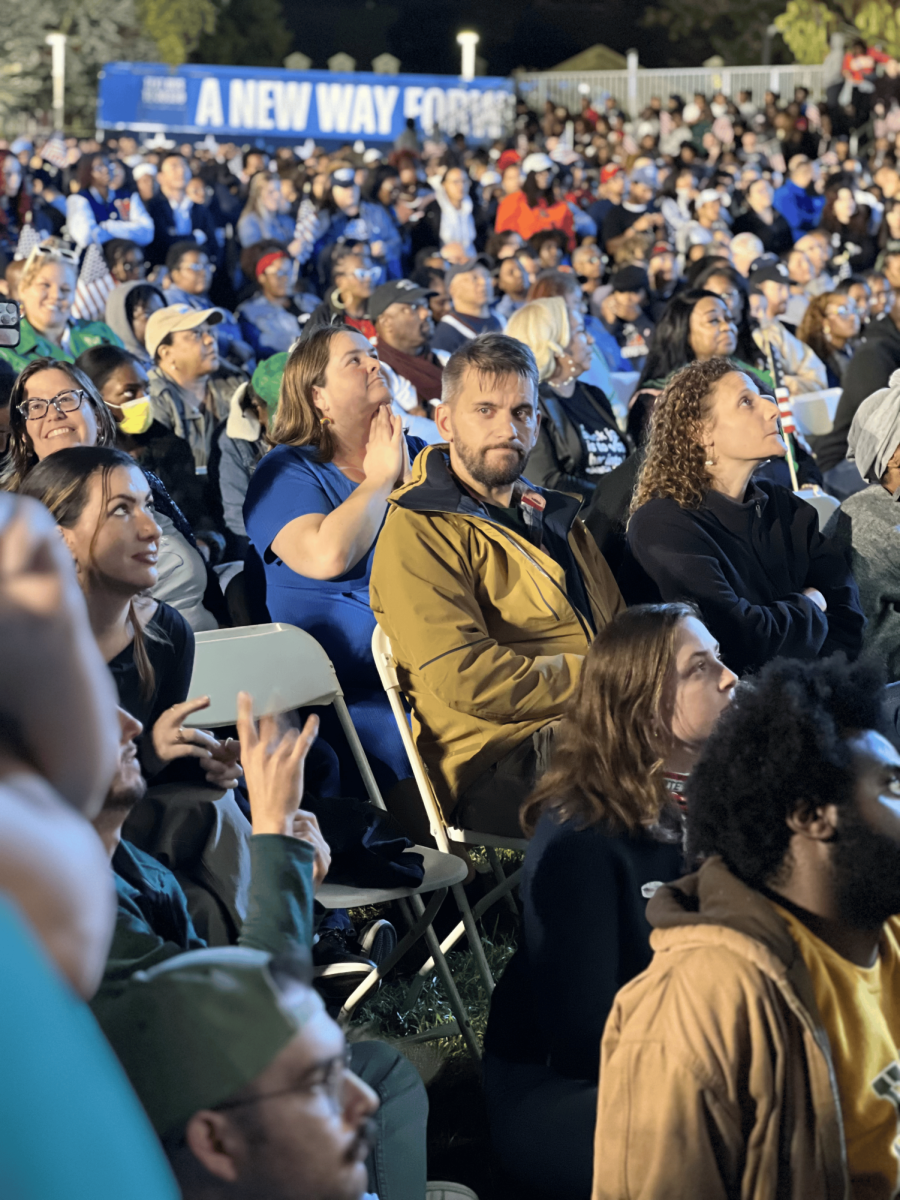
(129, 268)
(847, 310)
(364, 273)
(64, 402)
(729, 297)
(331, 1079)
(56, 253)
(196, 267)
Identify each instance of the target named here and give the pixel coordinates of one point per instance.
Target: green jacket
(489, 627)
(82, 336)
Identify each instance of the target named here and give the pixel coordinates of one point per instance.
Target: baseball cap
(143, 169)
(480, 260)
(646, 175)
(176, 319)
(629, 279)
(609, 171)
(508, 158)
(197, 1028)
(891, 246)
(343, 177)
(763, 271)
(661, 248)
(710, 194)
(537, 162)
(266, 380)
(398, 291)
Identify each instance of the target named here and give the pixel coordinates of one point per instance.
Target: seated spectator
(747, 552)
(54, 887)
(746, 248)
(662, 273)
(97, 213)
(707, 220)
(402, 320)
(265, 216)
(125, 260)
(587, 263)
(190, 274)
(535, 207)
(613, 181)
(353, 279)
(548, 248)
(238, 445)
(864, 527)
(874, 361)
(129, 307)
(880, 294)
(799, 278)
(817, 248)
(803, 370)
(763, 220)
(604, 826)
(637, 213)
(471, 293)
(460, 585)
(623, 317)
(175, 216)
(389, 243)
(829, 328)
(433, 280)
(270, 319)
(757, 1052)
(188, 392)
(796, 200)
(205, 1040)
(342, 218)
(314, 511)
(511, 284)
(102, 502)
(578, 441)
(726, 282)
(605, 354)
(451, 216)
(847, 224)
(46, 290)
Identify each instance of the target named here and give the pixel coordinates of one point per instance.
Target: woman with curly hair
(829, 327)
(605, 831)
(746, 551)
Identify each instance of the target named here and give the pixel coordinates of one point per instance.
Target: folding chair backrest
(387, 672)
(282, 667)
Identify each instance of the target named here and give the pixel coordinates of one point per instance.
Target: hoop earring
(710, 462)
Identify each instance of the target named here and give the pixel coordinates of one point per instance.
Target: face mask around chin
(136, 416)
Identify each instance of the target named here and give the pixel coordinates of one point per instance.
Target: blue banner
(259, 102)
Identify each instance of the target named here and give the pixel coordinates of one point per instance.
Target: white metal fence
(633, 88)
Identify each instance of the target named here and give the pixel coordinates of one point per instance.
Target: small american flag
(94, 285)
(54, 151)
(28, 239)
(783, 396)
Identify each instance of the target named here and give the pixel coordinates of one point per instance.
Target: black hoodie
(870, 369)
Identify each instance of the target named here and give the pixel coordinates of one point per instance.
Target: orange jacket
(514, 213)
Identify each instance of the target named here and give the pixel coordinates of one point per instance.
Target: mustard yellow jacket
(716, 1077)
(488, 644)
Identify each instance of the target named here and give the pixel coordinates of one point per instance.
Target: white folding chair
(443, 833)
(283, 668)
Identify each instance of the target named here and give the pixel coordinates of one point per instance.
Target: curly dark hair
(781, 747)
(674, 465)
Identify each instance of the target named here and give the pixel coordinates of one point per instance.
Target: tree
(99, 31)
(806, 25)
(251, 33)
(732, 28)
(177, 26)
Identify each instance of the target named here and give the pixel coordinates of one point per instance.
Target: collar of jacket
(736, 516)
(242, 425)
(434, 488)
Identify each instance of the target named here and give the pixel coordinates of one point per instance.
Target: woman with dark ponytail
(103, 504)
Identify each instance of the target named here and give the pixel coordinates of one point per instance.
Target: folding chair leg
(449, 984)
(475, 943)
(500, 876)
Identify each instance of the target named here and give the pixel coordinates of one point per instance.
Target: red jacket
(514, 213)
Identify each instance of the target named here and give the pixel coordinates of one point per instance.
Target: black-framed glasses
(63, 402)
(331, 1078)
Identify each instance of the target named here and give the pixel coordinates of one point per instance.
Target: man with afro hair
(758, 1054)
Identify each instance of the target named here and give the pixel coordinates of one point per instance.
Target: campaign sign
(241, 102)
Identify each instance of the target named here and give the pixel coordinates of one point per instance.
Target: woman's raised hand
(386, 457)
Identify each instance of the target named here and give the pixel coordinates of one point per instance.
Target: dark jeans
(397, 1164)
(491, 804)
(542, 1127)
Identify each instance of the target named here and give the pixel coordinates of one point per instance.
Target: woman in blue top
(314, 509)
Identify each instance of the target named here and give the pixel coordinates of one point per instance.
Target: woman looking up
(315, 506)
(746, 551)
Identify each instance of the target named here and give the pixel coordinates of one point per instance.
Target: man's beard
(866, 867)
(501, 475)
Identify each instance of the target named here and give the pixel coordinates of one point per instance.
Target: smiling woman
(315, 507)
(746, 551)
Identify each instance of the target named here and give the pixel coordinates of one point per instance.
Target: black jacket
(165, 236)
(561, 455)
(870, 369)
(745, 565)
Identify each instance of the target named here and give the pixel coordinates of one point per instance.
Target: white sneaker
(448, 1191)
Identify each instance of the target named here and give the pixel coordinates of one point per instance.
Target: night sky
(535, 34)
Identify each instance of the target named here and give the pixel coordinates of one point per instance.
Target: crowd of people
(533, 409)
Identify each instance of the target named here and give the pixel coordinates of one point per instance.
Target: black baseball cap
(630, 279)
(398, 291)
(768, 272)
(480, 260)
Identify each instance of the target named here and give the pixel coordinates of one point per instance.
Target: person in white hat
(536, 207)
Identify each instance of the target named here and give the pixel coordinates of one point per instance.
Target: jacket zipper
(581, 621)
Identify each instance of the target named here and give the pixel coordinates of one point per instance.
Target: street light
(468, 40)
(57, 44)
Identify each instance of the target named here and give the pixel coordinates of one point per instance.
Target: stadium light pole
(468, 41)
(57, 44)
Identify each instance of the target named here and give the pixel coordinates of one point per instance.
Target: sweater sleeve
(280, 904)
(685, 564)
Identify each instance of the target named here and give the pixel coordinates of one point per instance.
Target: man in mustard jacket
(759, 1054)
(490, 590)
